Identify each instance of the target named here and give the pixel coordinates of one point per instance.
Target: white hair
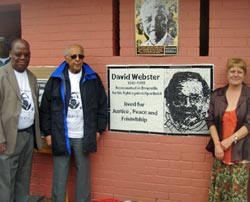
(150, 5)
(66, 52)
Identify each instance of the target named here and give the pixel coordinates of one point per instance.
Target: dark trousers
(15, 169)
(61, 172)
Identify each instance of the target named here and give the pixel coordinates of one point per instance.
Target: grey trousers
(15, 169)
(61, 171)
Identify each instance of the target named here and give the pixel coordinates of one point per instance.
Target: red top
(229, 122)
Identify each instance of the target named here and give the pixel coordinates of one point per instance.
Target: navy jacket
(54, 105)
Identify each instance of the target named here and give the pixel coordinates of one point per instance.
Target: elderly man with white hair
(154, 19)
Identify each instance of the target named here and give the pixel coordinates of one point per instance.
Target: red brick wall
(135, 166)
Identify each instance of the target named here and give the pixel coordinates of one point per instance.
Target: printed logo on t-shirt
(74, 101)
(26, 117)
(26, 103)
(75, 107)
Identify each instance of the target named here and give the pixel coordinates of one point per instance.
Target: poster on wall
(156, 27)
(164, 99)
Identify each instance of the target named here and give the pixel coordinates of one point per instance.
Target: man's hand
(219, 152)
(2, 148)
(48, 140)
(98, 135)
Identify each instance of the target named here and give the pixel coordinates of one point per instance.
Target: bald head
(74, 55)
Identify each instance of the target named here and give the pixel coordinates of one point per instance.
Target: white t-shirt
(26, 117)
(75, 111)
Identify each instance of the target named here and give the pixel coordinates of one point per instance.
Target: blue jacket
(54, 106)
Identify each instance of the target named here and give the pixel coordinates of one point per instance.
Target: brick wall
(135, 166)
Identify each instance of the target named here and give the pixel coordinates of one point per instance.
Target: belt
(25, 129)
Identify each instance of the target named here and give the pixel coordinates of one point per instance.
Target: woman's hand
(226, 143)
(219, 152)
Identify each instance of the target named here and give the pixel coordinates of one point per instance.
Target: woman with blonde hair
(229, 124)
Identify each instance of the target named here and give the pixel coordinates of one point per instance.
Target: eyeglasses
(18, 55)
(75, 56)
